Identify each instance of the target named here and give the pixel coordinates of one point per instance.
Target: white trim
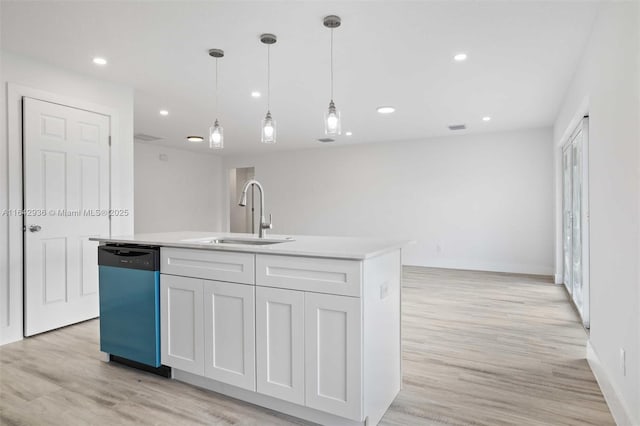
(557, 279)
(15, 92)
(581, 111)
(266, 401)
(582, 130)
(471, 265)
(586, 227)
(620, 412)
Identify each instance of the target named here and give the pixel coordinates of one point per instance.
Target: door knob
(35, 228)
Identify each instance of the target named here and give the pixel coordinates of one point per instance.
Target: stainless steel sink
(248, 242)
(239, 241)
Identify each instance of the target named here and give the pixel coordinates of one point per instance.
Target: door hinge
(109, 140)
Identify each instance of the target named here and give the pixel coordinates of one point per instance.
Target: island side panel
(381, 323)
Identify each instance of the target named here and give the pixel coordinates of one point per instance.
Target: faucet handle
(270, 224)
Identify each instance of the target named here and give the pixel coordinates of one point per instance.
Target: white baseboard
(616, 405)
(13, 337)
(472, 265)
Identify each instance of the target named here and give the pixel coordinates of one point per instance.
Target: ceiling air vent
(145, 137)
(457, 127)
(326, 140)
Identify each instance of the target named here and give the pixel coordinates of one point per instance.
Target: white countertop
(301, 245)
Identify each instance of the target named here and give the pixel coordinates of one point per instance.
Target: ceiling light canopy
(486, 118)
(386, 109)
(349, 133)
(99, 61)
(216, 132)
(268, 123)
(332, 116)
(460, 57)
(256, 94)
(164, 112)
(195, 138)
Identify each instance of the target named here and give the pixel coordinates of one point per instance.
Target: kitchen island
(308, 326)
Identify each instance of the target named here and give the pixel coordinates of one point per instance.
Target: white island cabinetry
(229, 333)
(181, 323)
(207, 326)
(289, 333)
(280, 343)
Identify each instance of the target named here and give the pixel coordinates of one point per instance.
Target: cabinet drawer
(209, 264)
(333, 276)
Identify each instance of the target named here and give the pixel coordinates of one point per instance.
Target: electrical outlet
(623, 362)
(384, 290)
(438, 248)
(163, 157)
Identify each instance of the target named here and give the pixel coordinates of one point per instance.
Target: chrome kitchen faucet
(243, 202)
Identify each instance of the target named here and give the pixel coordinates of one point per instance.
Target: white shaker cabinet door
(333, 354)
(280, 343)
(182, 321)
(229, 333)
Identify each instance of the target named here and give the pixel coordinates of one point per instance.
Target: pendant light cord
(268, 77)
(217, 89)
(332, 64)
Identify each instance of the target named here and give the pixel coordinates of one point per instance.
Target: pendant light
(216, 132)
(332, 125)
(268, 123)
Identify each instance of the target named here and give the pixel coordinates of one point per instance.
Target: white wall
(28, 77)
(473, 202)
(180, 193)
(606, 85)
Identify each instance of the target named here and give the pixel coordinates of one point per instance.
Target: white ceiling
(521, 58)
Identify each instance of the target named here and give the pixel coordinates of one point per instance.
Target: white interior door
(66, 197)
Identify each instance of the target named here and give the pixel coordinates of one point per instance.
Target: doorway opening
(575, 218)
(241, 219)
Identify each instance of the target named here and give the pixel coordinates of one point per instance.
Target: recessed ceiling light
(99, 61)
(255, 94)
(460, 57)
(386, 109)
(349, 133)
(164, 112)
(486, 118)
(195, 138)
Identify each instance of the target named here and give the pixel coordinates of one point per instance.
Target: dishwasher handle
(144, 258)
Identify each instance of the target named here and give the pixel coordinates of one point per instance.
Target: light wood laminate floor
(479, 349)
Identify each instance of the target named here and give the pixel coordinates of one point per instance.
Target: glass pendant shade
(268, 129)
(216, 136)
(332, 121)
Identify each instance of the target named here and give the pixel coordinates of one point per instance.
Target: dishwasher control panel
(129, 256)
